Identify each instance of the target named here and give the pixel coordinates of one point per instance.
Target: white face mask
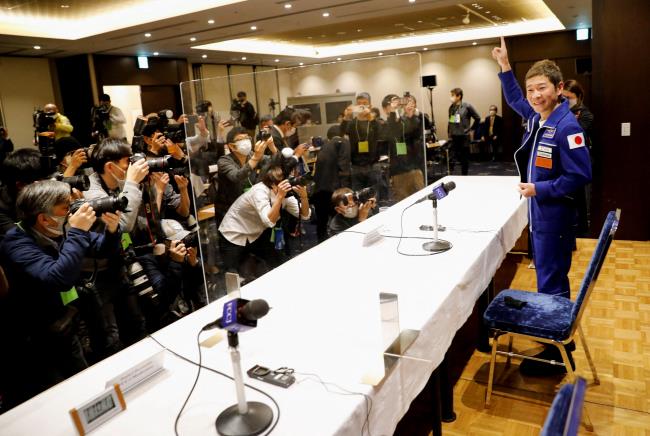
(120, 180)
(493, 113)
(452, 99)
(291, 132)
(244, 146)
(60, 222)
(351, 212)
(573, 102)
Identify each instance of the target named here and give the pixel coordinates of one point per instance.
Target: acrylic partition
(362, 125)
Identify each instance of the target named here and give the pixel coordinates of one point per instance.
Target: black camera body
(81, 182)
(102, 205)
(43, 120)
(265, 134)
(160, 164)
(317, 141)
(361, 196)
(302, 180)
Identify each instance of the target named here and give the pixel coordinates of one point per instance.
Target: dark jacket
(409, 131)
(247, 115)
(332, 164)
(466, 112)
(585, 119)
(234, 179)
(497, 128)
(7, 211)
(6, 147)
(362, 131)
(38, 269)
(554, 157)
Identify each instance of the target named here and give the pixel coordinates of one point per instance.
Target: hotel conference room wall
(25, 84)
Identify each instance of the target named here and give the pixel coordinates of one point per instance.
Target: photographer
(348, 211)
(249, 223)
(6, 145)
(108, 120)
(70, 155)
(403, 135)
(19, 169)
(61, 126)
(238, 170)
(248, 118)
(43, 261)
(331, 171)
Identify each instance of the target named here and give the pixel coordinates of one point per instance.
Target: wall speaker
(428, 81)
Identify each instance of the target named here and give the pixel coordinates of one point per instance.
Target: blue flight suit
(555, 158)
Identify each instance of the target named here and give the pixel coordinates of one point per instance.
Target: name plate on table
(98, 410)
(139, 373)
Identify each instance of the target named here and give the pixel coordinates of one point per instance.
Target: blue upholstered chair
(547, 318)
(565, 414)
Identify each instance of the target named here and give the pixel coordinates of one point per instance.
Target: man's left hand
(112, 221)
(527, 189)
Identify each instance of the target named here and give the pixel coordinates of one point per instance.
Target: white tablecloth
(324, 320)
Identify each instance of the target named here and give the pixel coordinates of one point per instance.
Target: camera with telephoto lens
(361, 196)
(190, 240)
(265, 134)
(43, 120)
(101, 112)
(302, 180)
(102, 205)
(139, 283)
(160, 164)
(81, 182)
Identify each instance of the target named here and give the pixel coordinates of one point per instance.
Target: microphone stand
(437, 245)
(246, 417)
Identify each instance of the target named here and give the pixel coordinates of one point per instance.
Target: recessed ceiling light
(411, 1)
(147, 35)
(425, 48)
(278, 60)
(253, 27)
(210, 21)
(474, 43)
(65, 6)
(301, 63)
(193, 39)
(420, 21)
(243, 58)
(338, 59)
(156, 53)
(287, 5)
(380, 53)
(37, 47)
(326, 14)
(204, 56)
(359, 30)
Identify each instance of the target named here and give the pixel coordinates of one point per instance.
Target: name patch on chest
(549, 132)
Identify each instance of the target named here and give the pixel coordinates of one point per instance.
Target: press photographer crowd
(100, 243)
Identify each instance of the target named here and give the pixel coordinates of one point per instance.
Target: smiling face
(542, 95)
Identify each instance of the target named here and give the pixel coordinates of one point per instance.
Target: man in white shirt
(249, 226)
(115, 123)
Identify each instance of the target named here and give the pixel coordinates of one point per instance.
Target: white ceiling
(119, 26)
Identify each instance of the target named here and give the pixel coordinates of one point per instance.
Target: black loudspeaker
(429, 81)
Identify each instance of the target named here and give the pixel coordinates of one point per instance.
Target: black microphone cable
(198, 373)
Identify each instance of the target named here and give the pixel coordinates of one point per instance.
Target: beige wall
(25, 84)
(470, 68)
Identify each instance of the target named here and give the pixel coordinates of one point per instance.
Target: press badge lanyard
(400, 147)
(363, 145)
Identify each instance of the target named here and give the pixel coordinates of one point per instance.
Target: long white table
(324, 320)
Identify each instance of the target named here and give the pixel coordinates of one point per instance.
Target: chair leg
(567, 364)
(510, 339)
(587, 421)
(588, 354)
(493, 358)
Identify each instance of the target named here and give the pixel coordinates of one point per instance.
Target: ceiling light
(425, 48)
(582, 34)
(204, 56)
(278, 60)
(411, 1)
(147, 35)
(243, 58)
(466, 19)
(253, 27)
(380, 53)
(359, 30)
(37, 47)
(210, 21)
(474, 43)
(65, 6)
(193, 39)
(287, 6)
(338, 59)
(301, 63)
(156, 53)
(326, 14)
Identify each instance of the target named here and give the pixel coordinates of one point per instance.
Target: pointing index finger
(503, 42)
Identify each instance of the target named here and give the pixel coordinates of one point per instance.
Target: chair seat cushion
(543, 315)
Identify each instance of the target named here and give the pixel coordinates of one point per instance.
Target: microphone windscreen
(287, 152)
(449, 186)
(255, 309)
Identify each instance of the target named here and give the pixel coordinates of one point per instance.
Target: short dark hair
(333, 131)
(23, 165)
(40, 197)
(265, 118)
(495, 107)
(388, 99)
(63, 146)
(457, 92)
(575, 87)
(104, 97)
(109, 150)
(546, 68)
(339, 195)
(237, 130)
(283, 117)
(241, 94)
(273, 176)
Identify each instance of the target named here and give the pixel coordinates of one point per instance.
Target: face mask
(493, 113)
(120, 180)
(351, 212)
(60, 222)
(452, 99)
(291, 132)
(244, 146)
(573, 102)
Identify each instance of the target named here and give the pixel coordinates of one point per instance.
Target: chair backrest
(565, 414)
(597, 260)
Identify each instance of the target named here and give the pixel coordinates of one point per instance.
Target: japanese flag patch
(576, 141)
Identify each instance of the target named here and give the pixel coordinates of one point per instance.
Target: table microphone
(240, 315)
(438, 192)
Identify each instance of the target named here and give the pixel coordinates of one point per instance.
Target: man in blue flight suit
(553, 162)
